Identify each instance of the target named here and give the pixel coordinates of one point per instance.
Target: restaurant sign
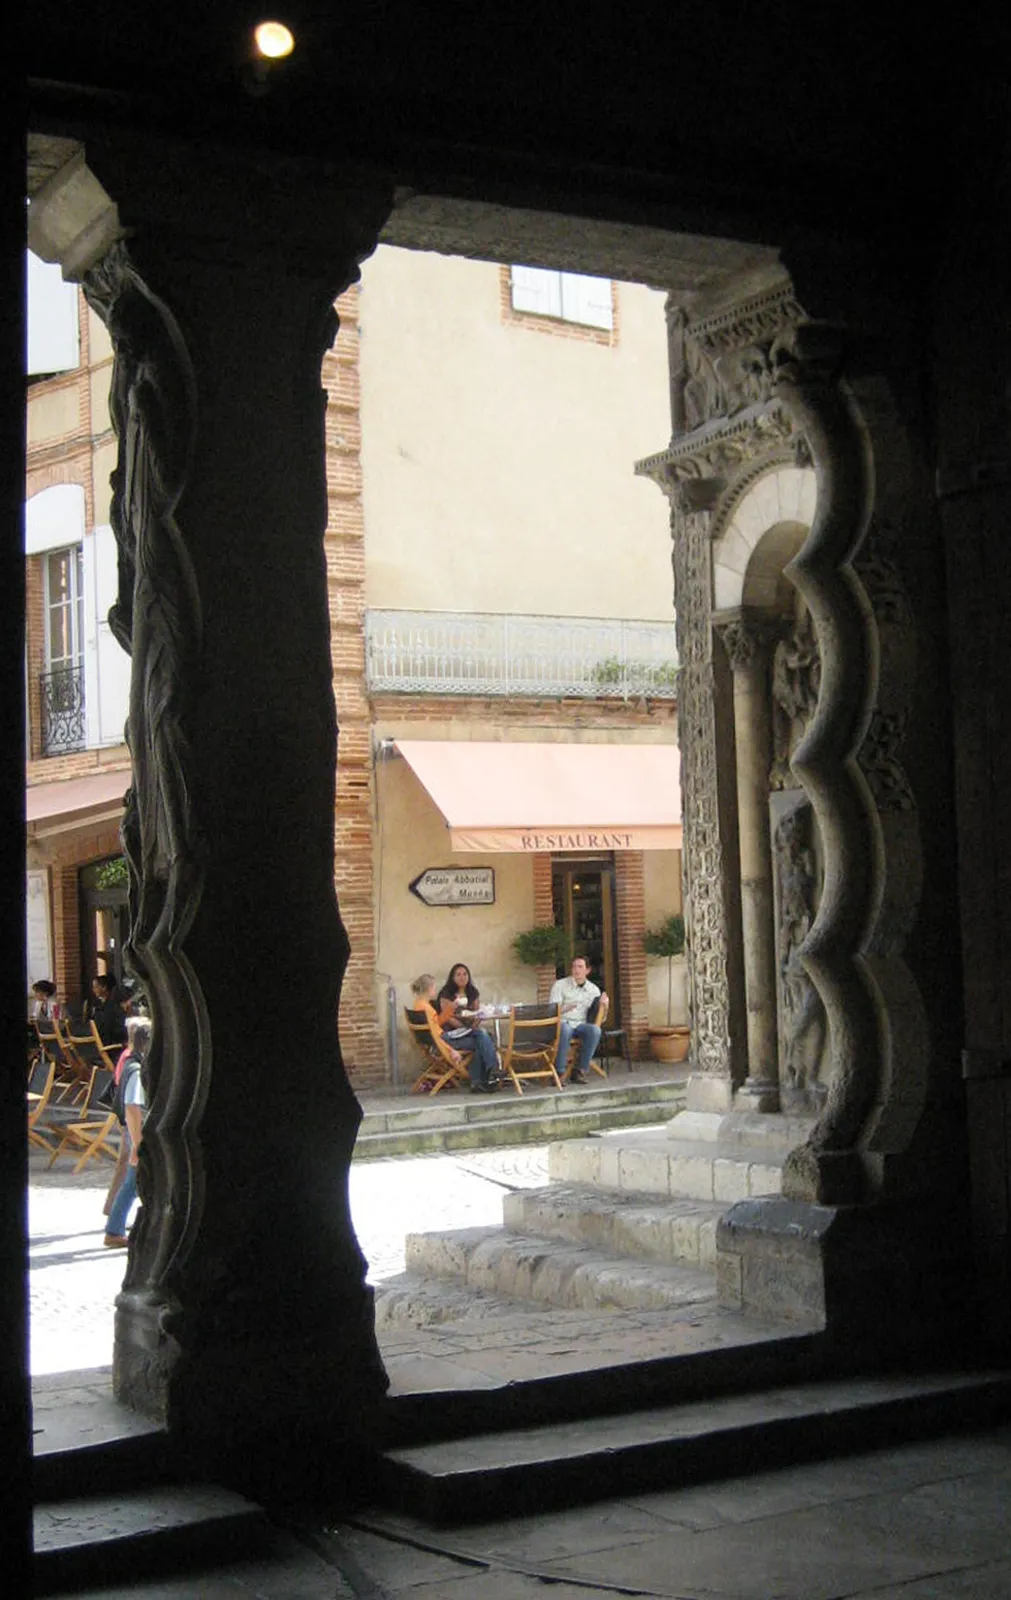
(455, 886)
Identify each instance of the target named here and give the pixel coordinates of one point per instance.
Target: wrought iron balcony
(62, 701)
(477, 653)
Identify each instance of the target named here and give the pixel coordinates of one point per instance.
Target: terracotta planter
(670, 1044)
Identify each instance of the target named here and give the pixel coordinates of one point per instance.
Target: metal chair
(532, 1044)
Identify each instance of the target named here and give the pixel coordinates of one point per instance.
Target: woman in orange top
(483, 1068)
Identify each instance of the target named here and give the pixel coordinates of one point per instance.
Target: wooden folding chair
(575, 1045)
(51, 1047)
(77, 1063)
(108, 1054)
(438, 1069)
(93, 1134)
(40, 1088)
(532, 1044)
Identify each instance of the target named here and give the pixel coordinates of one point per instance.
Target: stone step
(671, 1232)
(414, 1300)
(651, 1162)
(538, 1468)
(495, 1121)
(137, 1534)
(554, 1271)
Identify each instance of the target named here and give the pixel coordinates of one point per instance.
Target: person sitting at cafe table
(483, 1068)
(45, 1006)
(106, 1009)
(578, 998)
(458, 997)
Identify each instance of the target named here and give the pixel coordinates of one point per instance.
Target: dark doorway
(582, 895)
(105, 918)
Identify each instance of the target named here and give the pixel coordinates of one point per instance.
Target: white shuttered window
(568, 295)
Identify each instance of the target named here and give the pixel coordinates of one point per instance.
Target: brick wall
(360, 1020)
(629, 890)
(66, 854)
(543, 913)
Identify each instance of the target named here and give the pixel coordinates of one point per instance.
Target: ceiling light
(274, 40)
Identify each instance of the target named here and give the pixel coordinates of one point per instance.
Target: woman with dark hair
(458, 995)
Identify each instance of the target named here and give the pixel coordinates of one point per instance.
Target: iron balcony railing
(62, 701)
(477, 653)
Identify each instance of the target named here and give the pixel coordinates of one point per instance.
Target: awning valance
(59, 806)
(551, 797)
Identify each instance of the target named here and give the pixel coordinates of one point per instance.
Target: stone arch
(765, 529)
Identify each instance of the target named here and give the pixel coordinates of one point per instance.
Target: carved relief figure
(802, 1020)
(796, 676)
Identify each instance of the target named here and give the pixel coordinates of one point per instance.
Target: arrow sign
(455, 886)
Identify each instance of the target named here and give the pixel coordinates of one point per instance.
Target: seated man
(576, 996)
(483, 1068)
(107, 1010)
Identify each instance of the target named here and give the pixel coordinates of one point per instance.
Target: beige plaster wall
(99, 343)
(104, 459)
(411, 937)
(662, 892)
(497, 460)
(100, 378)
(52, 413)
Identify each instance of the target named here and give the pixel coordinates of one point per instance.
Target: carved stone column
(244, 1316)
(711, 878)
(747, 638)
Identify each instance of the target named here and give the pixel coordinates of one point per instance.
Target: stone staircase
(110, 1503)
(420, 1125)
(616, 1369)
(628, 1223)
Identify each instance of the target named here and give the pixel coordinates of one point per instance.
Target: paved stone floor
(926, 1521)
(74, 1279)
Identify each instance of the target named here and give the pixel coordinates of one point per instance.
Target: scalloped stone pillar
(245, 1319)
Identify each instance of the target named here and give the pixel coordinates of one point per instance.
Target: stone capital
(747, 635)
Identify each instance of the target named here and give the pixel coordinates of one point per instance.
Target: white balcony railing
(438, 652)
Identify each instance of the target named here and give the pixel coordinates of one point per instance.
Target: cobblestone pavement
(74, 1279)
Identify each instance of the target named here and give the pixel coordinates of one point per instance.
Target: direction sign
(455, 886)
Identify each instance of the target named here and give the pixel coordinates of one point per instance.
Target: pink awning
(58, 806)
(552, 797)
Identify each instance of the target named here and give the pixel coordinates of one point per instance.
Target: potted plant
(669, 1043)
(543, 946)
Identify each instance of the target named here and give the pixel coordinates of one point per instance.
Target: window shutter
(587, 300)
(106, 663)
(53, 339)
(536, 290)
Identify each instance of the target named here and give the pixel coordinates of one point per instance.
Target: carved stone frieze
(802, 1019)
(796, 675)
(728, 362)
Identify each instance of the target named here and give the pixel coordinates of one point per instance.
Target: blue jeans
(126, 1194)
(484, 1060)
(588, 1035)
